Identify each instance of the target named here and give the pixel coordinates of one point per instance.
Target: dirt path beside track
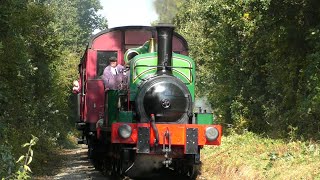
(75, 165)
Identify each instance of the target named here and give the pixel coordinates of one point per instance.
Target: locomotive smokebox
(164, 95)
(164, 32)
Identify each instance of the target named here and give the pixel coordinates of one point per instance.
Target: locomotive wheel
(193, 171)
(90, 149)
(116, 163)
(97, 163)
(187, 169)
(120, 167)
(116, 170)
(113, 169)
(103, 167)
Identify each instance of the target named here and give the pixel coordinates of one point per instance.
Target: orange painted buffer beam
(178, 133)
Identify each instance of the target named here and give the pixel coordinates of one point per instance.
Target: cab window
(103, 60)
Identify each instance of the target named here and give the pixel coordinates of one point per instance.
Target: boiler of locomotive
(164, 95)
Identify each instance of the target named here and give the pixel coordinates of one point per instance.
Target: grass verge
(249, 156)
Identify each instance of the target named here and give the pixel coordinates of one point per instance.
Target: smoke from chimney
(203, 103)
(167, 10)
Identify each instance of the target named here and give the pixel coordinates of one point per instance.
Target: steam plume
(167, 10)
(203, 103)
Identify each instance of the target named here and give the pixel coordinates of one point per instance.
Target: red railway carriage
(150, 119)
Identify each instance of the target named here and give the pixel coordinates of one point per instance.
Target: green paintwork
(139, 50)
(114, 115)
(125, 116)
(143, 66)
(204, 118)
(113, 96)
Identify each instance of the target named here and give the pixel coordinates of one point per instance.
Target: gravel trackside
(75, 165)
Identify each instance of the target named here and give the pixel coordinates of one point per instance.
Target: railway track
(77, 166)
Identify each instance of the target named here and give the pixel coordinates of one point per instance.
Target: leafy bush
(23, 162)
(7, 164)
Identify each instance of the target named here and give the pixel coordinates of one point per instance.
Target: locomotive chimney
(165, 32)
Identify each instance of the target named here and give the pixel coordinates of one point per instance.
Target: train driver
(113, 74)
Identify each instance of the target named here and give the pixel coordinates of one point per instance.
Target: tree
(82, 19)
(257, 61)
(39, 50)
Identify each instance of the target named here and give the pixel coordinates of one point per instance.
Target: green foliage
(40, 45)
(257, 61)
(82, 19)
(24, 170)
(7, 161)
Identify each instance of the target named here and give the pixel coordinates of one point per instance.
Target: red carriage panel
(94, 100)
(137, 37)
(178, 46)
(110, 41)
(91, 64)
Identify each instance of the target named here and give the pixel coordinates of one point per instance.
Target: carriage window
(103, 60)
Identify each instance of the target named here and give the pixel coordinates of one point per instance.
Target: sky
(128, 12)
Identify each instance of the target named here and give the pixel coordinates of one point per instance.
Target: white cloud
(128, 12)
